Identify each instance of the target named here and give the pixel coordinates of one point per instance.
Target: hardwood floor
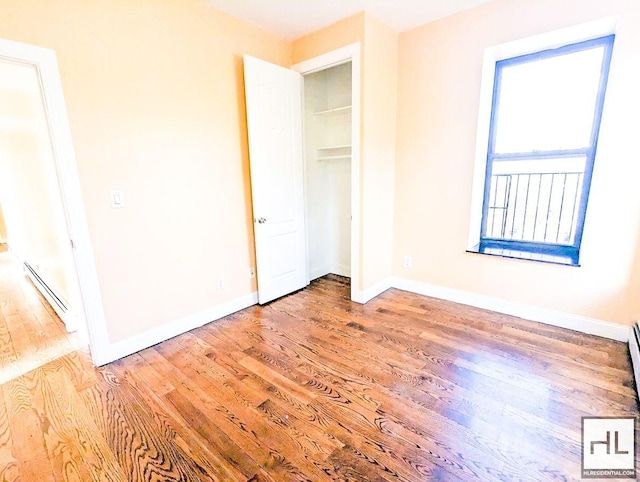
(309, 387)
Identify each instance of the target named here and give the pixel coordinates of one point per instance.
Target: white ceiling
(293, 18)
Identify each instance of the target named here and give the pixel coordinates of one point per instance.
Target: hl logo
(607, 443)
(608, 447)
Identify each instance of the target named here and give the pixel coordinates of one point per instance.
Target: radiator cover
(57, 302)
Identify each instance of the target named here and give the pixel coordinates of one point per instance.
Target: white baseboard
(574, 322)
(165, 332)
(370, 293)
(318, 272)
(66, 314)
(341, 270)
(583, 324)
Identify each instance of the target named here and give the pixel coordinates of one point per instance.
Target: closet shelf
(329, 148)
(346, 109)
(333, 158)
(333, 153)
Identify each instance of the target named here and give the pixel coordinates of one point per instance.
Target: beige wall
(28, 183)
(379, 47)
(154, 93)
(439, 85)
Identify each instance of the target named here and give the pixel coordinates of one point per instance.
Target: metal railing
(534, 207)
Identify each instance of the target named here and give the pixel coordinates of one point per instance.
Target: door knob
(262, 220)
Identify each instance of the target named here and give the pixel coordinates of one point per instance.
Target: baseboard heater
(57, 303)
(634, 349)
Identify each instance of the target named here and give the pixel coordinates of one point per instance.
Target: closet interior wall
(327, 124)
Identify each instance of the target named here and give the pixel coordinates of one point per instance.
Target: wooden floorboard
(309, 387)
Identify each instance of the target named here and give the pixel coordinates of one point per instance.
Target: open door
(274, 121)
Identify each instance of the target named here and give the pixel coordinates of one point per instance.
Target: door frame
(46, 65)
(349, 53)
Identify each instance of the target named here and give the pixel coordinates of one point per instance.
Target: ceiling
(294, 18)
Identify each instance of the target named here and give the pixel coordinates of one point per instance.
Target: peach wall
(379, 45)
(439, 84)
(154, 93)
(347, 31)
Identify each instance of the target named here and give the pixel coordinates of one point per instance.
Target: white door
(274, 121)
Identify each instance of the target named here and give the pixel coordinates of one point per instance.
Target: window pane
(535, 200)
(548, 104)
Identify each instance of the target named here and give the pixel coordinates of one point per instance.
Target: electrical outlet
(220, 282)
(252, 273)
(408, 262)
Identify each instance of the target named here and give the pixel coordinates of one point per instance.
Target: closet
(327, 144)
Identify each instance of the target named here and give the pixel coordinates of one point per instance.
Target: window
(543, 133)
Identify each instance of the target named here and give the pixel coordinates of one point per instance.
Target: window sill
(564, 260)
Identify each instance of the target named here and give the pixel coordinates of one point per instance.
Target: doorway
(327, 120)
(66, 185)
(280, 197)
(342, 116)
(32, 210)
(279, 178)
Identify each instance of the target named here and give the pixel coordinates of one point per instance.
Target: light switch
(117, 199)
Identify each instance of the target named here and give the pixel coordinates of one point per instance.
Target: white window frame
(550, 40)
